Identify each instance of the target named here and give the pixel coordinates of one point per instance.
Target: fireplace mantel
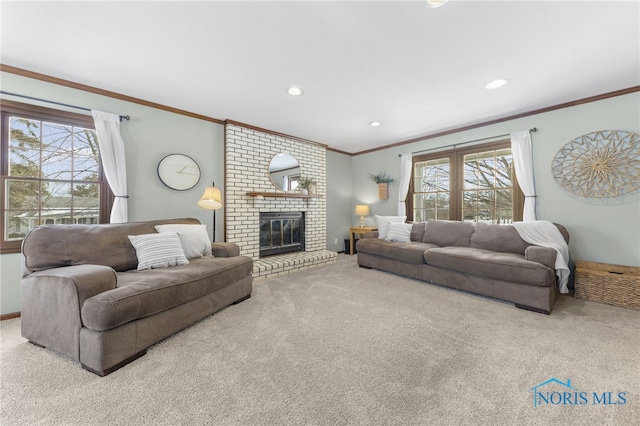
(282, 195)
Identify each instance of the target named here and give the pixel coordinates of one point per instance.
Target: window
(51, 171)
(292, 182)
(474, 185)
(431, 189)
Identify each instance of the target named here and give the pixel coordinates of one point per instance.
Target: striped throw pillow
(383, 224)
(399, 232)
(158, 250)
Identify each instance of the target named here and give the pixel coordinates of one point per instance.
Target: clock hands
(181, 171)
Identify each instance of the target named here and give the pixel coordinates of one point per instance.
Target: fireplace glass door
(281, 232)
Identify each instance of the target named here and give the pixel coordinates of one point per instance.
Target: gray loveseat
(490, 260)
(83, 296)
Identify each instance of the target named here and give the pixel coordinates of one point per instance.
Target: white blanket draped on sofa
(544, 233)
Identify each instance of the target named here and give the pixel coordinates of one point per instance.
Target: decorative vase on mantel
(306, 185)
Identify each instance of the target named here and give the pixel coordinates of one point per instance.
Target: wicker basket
(383, 191)
(612, 284)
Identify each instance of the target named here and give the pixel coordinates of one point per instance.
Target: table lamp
(362, 210)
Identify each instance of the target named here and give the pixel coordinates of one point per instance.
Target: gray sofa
(490, 260)
(83, 297)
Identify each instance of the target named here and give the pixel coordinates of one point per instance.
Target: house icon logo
(550, 397)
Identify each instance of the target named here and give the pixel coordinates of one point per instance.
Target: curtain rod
(533, 129)
(122, 117)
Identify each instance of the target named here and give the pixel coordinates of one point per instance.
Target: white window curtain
(111, 148)
(405, 178)
(523, 165)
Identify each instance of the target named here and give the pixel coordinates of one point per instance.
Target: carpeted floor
(344, 345)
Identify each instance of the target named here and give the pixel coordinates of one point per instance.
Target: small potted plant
(306, 185)
(383, 180)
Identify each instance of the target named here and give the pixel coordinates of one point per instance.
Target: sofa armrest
(225, 249)
(544, 255)
(84, 281)
(370, 234)
(52, 301)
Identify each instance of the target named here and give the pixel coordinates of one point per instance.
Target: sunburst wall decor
(599, 164)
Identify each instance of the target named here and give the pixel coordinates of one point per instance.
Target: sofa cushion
(383, 224)
(446, 233)
(144, 293)
(501, 266)
(417, 231)
(158, 250)
(193, 238)
(406, 252)
(503, 238)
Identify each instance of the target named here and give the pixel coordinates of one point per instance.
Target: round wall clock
(179, 172)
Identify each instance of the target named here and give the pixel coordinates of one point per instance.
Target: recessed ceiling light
(375, 123)
(294, 91)
(436, 3)
(496, 83)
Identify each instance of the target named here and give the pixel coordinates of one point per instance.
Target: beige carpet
(344, 345)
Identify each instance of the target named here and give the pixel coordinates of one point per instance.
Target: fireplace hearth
(281, 232)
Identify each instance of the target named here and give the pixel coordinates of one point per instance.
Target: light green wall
(149, 136)
(10, 274)
(601, 231)
(339, 199)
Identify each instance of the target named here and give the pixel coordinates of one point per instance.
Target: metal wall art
(599, 164)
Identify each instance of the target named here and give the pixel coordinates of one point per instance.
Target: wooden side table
(358, 230)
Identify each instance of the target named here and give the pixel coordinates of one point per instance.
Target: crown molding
(339, 151)
(85, 88)
(508, 118)
(273, 132)
(98, 91)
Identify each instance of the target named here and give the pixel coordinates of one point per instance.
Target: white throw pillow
(383, 224)
(194, 239)
(158, 250)
(399, 232)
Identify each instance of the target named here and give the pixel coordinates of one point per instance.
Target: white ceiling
(418, 70)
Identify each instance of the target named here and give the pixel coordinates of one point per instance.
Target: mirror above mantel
(284, 172)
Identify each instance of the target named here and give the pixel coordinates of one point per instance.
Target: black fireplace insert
(281, 232)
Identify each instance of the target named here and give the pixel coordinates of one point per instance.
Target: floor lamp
(211, 200)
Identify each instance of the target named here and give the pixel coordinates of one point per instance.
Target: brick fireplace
(248, 153)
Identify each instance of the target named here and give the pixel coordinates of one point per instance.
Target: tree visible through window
(50, 170)
(474, 185)
(488, 187)
(431, 189)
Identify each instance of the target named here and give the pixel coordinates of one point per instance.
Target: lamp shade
(211, 199)
(362, 210)
(436, 3)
